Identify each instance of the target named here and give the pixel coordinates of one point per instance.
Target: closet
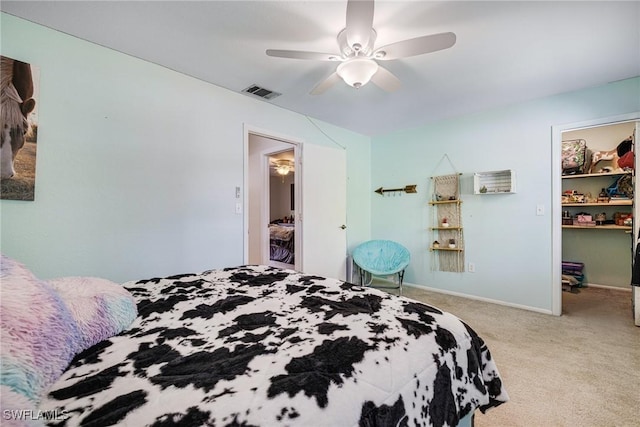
(597, 209)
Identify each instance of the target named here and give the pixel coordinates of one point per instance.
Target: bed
(282, 243)
(263, 346)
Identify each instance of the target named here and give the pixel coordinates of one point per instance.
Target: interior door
(324, 211)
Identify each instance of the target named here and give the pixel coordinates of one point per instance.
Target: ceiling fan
(358, 58)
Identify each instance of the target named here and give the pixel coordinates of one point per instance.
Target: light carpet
(579, 369)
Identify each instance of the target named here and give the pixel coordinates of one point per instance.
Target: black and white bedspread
(260, 346)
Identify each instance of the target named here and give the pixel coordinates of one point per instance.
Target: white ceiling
(506, 52)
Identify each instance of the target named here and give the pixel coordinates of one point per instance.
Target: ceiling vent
(261, 92)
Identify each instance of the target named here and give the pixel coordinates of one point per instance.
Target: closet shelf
(595, 175)
(612, 203)
(599, 227)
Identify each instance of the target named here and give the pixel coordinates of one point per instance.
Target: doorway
(274, 236)
(559, 185)
(319, 198)
(281, 167)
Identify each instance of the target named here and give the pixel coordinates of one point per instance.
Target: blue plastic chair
(381, 258)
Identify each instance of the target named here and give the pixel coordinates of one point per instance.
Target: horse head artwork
(16, 103)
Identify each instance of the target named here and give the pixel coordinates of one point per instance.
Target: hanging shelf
(447, 239)
(494, 182)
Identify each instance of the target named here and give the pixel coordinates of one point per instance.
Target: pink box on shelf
(584, 223)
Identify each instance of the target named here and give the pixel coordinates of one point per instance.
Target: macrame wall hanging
(447, 247)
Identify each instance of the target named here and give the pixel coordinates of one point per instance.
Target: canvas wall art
(19, 90)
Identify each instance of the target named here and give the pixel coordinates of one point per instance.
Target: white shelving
(494, 182)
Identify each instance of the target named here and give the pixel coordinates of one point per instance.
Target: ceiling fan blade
(326, 84)
(359, 23)
(386, 80)
(417, 46)
(299, 54)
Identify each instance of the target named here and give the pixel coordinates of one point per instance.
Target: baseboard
(477, 298)
(614, 288)
(636, 304)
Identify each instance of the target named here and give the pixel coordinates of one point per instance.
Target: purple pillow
(38, 333)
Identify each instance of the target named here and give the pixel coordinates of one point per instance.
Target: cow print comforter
(260, 346)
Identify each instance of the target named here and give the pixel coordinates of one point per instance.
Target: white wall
(137, 164)
(509, 244)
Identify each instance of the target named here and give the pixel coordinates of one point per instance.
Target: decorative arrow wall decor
(406, 189)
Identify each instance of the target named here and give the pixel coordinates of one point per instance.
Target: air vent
(261, 92)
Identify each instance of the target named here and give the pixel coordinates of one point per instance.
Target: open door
(324, 211)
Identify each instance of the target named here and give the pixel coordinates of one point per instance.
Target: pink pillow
(38, 333)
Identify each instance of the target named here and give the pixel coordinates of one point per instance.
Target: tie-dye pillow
(101, 308)
(39, 335)
(45, 324)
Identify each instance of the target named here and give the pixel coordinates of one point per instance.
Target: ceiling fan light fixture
(357, 71)
(283, 167)
(282, 170)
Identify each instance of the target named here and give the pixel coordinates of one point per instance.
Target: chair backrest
(381, 257)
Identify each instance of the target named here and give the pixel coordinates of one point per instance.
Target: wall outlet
(472, 268)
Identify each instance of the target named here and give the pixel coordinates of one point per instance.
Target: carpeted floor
(581, 369)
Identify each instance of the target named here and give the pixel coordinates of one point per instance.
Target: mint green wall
(508, 243)
(137, 165)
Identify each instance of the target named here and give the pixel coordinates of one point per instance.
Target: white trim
(265, 195)
(246, 130)
(556, 200)
(265, 204)
(477, 298)
(613, 288)
(635, 302)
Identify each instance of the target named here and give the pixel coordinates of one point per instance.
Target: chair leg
(400, 280)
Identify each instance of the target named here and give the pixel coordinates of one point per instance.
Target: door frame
(266, 198)
(556, 198)
(296, 145)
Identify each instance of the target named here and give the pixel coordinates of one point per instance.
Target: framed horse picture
(19, 88)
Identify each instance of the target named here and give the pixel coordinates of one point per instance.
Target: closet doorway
(606, 250)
